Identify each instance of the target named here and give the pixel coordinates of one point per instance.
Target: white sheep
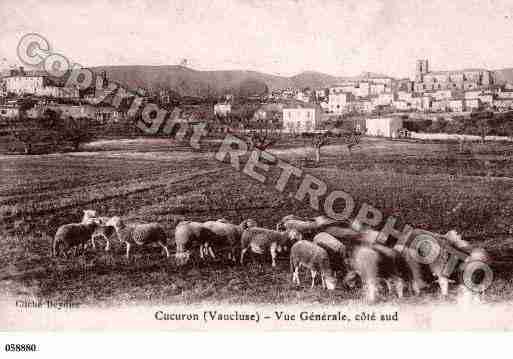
(73, 235)
(374, 264)
(139, 234)
(260, 240)
(101, 231)
(337, 252)
(310, 255)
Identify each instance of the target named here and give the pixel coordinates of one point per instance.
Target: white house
(24, 84)
(338, 102)
(384, 126)
(457, 105)
(441, 95)
(472, 103)
(383, 99)
(222, 109)
(404, 96)
(299, 120)
(471, 95)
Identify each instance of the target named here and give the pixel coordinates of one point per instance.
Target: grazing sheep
(227, 235)
(140, 234)
(310, 255)
(306, 226)
(422, 273)
(73, 235)
(374, 264)
(190, 235)
(260, 240)
(335, 249)
(104, 231)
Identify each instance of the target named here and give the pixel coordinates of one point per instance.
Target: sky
(284, 37)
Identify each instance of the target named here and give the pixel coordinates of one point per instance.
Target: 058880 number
(20, 347)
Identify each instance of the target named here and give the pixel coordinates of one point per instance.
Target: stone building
(469, 79)
(300, 119)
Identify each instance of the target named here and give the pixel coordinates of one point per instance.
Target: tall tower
(421, 70)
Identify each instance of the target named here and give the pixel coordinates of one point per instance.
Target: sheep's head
(89, 215)
(455, 239)
(294, 235)
(352, 279)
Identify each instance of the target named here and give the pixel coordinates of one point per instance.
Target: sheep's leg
(295, 276)
(388, 283)
(444, 285)
(93, 243)
(273, 254)
(399, 287)
(211, 252)
(242, 253)
(323, 280)
(314, 274)
(165, 249)
(416, 288)
(201, 252)
(127, 250)
(107, 245)
(371, 291)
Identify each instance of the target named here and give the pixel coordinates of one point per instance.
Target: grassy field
(427, 185)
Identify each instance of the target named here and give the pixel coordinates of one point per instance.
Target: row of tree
(483, 125)
(51, 130)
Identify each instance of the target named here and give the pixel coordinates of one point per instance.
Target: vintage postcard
(256, 165)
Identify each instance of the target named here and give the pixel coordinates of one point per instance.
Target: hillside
(503, 76)
(189, 82)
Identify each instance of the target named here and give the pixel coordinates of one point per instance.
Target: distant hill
(189, 82)
(312, 79)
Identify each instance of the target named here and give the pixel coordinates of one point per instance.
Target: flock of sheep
(331, 249)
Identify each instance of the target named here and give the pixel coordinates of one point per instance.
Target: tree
(352, 139)
(26, 134)
(77, 131)
(317, 142)
(262, 139)
(252, 87)
(30, 132)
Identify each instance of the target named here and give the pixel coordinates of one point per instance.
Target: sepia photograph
(288, 165)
